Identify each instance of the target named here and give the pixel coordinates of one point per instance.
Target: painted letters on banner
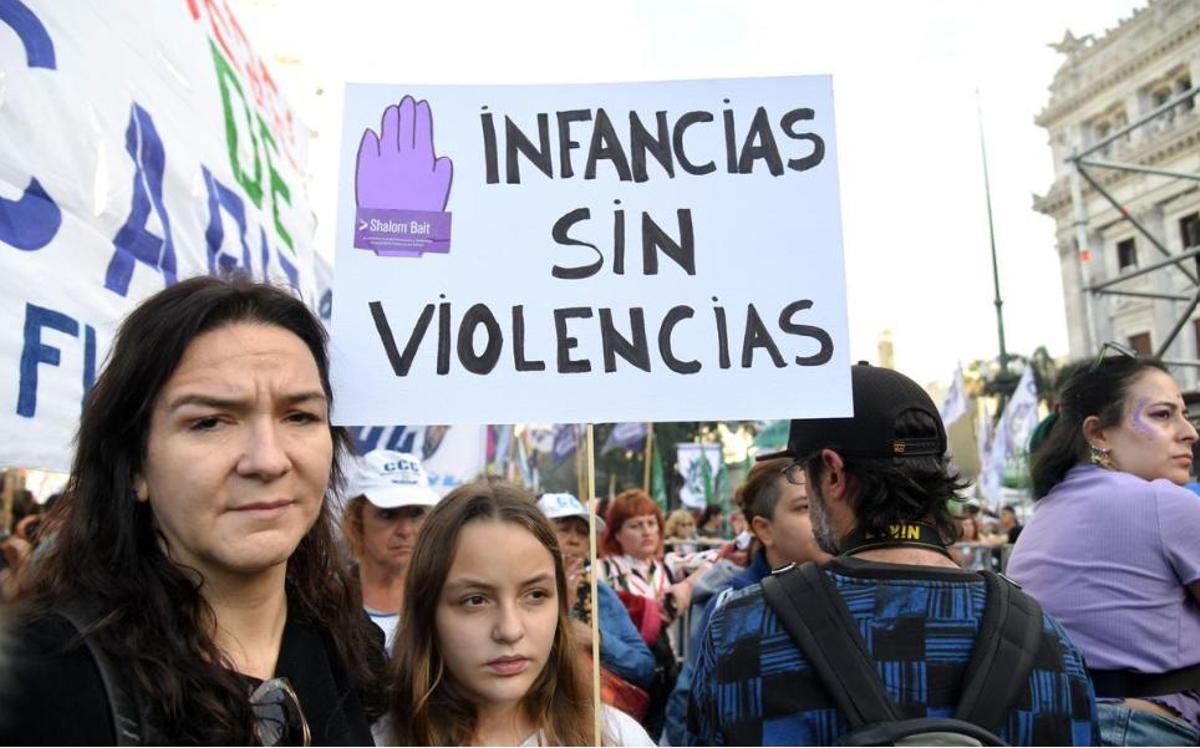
(590, 253)
(140, 143)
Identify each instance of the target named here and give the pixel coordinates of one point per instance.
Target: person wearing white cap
(622, 649)
(389, 495)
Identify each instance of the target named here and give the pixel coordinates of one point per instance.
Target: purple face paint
(1138, 422)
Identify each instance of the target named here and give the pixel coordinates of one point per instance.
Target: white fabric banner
(140, 143)
(590, 253)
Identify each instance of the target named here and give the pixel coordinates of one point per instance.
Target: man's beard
(818, 514)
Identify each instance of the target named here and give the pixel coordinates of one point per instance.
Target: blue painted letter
(35, 352)
(133, 242)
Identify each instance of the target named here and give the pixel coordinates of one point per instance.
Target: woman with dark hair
(777, 512)
(711, 522)
(1111, 549)
(484, 655)
(193, 593)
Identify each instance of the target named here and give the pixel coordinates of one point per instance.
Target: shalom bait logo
(401, 187)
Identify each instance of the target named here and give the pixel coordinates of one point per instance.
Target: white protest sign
(624, 252)
(140, 143)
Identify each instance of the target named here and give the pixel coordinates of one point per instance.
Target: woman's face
(388, 536)
(638, 536)
(572, 537)
(685, 527)
(968, 530)
(737, 524)
(498, 612)
(1154, 438)
(239, 451)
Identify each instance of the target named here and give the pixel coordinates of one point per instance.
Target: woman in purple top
(1113, 548)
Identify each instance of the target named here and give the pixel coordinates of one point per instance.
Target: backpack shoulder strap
(1010, 634)
(122, 703)
(814, 615)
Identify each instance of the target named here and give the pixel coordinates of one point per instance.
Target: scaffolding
(1083, 164)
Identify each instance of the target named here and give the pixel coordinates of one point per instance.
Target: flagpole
(987, 193)
(649, 455)
(588, 501)
(580, 470)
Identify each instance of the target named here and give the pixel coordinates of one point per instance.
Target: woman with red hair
(654, 588)
(632, 557)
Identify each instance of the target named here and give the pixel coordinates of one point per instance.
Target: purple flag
(626, 436)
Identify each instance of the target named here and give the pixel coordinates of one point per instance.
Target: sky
(910, 79)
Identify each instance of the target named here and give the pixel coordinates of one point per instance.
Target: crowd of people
(223, 569)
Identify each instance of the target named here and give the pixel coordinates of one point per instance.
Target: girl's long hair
(108, 554)
(427, 706)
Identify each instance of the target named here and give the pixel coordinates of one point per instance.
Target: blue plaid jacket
(919, 623)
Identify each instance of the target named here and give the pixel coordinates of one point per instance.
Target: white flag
(954, 406)
(1012, 433)
(691, 458)
(983, 437)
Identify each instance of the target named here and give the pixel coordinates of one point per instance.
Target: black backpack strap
(1005, 649)
(122, 702)
(816, 618)
(920, 731)
(1130, 684)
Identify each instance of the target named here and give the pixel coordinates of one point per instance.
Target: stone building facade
(1104, 86)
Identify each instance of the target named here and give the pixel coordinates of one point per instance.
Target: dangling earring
(1099, 457)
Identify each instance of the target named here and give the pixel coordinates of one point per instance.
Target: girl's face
(638, 536)
(1154, 437)
(572, 537)
(498, 612)
(968, 530)
(788, 535)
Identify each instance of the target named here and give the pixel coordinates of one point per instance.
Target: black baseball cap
(881, 396)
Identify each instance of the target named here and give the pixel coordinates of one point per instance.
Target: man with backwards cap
(622, 649)
(878, 484)
(389, 495)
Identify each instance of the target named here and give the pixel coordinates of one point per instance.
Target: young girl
(484, 655)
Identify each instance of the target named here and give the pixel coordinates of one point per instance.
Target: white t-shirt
(619, 729)
(387, 622)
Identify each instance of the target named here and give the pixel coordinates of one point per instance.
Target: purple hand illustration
(398, 169)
